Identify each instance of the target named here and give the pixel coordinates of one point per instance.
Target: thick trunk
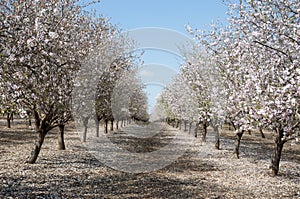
(237, 143)
(61, 141)
(37, 120)
(37, 147)
(217, 137)
(275, 161)
(204, 131)
(261, 132)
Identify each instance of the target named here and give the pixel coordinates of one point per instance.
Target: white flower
(53, 35)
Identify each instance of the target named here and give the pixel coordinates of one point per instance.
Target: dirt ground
(201, 172)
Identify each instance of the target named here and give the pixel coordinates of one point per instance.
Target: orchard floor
(201, 172)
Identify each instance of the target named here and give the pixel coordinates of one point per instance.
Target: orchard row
(246, 74)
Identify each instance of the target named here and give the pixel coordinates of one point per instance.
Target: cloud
(145, 73)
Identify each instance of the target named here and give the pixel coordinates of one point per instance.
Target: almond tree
(128, 99)
(44, 44)
(258, 54)
(179, 102)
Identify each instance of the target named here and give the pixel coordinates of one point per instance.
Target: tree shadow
(116, 185)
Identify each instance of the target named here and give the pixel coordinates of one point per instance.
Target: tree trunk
(277, 152)
(190, 127)
(38, 145)
(106, 126)
(29, 117)
(177, 123)
(29, 121)
(85, 124)
(217, 137)
(97, 121)
(37, 120)
(61, 142)
(8, 120)
(237, 143)
(180, 122)
(117, 124)
(204, 131)
(261, 132)
(232, 124)
(121, 123)
(111, 125)
(185, 125)
(196, 130)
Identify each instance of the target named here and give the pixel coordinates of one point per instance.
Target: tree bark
(196, 129)
(237, 143)
(8, 120)
(111, 125)
(261, 132)
(37, 120)
(85, 124)
(190, 127)
(177, 123)
(97, 121)
(204, 131)
(29, 117)
(232, 124)
(106, 126)
(217, 137)
(37, 147)
(61, 141)
(275, 160)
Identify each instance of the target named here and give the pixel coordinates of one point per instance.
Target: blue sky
(170, 14)
(173, 14)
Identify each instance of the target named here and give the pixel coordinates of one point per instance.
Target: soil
(201, 172)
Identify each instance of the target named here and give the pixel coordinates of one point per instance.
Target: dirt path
(200, 172)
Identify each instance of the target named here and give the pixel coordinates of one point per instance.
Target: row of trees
(246, 74)
(43, 46)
